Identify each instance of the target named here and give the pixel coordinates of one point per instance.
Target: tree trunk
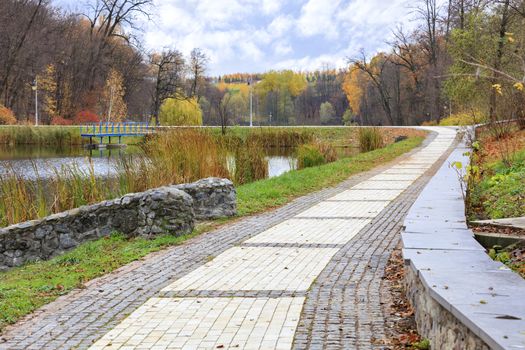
(497, 60)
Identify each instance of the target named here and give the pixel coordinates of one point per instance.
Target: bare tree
(168, 70)
(375, 73)
(16, 40)
(108, 19)
(197, 67)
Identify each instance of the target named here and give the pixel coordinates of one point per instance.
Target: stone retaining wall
(462, 299)
(212, 198)
(171, 209)
(436, 322)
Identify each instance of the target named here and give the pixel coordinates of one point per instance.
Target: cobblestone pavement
(307, 275)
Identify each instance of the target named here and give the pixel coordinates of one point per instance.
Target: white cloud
(308, 63)
(257, 35)
(280, 25)
(282, 48)
(318, 18)
(271, 6)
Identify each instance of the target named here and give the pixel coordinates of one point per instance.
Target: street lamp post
(250, 83)
(35, 89)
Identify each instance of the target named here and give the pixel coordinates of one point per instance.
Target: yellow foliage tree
(243, 88)
(180, 112)
(283, 81)
(113, 95)
(353, 84)
(48, 86)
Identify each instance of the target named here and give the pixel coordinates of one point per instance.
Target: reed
(180, 156)
(44, 135)
(169, 157)
(70, 187)
(250, 162)
(280, 137)
(370, 139)
(314, 154)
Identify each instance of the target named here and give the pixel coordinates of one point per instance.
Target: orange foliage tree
(354, 86)
(7, 117)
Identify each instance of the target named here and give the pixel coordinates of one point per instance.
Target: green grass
(24, 289)
(269, 193)
(501, 191)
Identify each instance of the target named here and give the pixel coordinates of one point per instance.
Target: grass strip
(270, 193)
(24, 289)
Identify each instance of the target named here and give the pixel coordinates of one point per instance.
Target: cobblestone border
(343, 308)
(81, 317)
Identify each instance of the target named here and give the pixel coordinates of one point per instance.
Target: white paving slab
(328, 231)
(367, 195)
(395, 170)
(386, 185)
(258, 268)
(207, 323)
(395, 177)
(349, 209)
(411, 166)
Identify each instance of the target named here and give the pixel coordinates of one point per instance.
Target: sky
(260, 35)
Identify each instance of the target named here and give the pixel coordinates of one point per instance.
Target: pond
(30, 160)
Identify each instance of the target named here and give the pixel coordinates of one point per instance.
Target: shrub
(84, 117)
(329, 153)
(463, 118)
(314, 154)
(308, 156)
(370, 139)
(348, 117)
(7, 117)
(60, 121)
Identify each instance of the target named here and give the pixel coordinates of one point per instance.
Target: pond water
(30, 161)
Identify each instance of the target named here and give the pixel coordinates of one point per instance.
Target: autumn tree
(279, 89)
(374, 71)
(7, 117)
(354, 85)
(48, 87)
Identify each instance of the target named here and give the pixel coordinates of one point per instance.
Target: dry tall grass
(370, 139)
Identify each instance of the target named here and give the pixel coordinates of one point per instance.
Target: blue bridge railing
(115, 129)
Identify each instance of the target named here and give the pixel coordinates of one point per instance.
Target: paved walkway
(307, 275)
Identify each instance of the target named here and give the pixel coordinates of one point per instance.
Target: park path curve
(307, 275)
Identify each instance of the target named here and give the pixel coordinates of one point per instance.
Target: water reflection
(30, 161)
